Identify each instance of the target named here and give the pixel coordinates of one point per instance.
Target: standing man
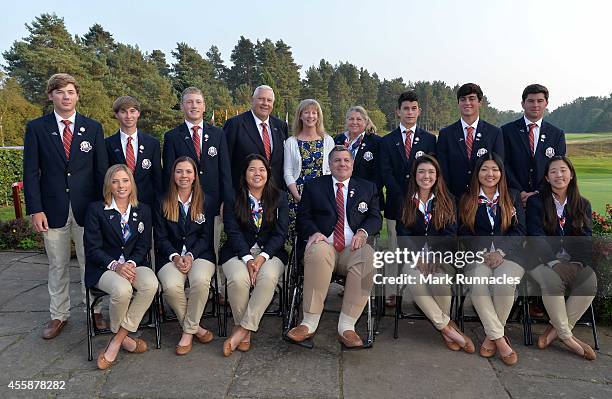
(460, 144)
(336, 215)
(257, 132)
(398, 150)
(530, 142)
(139, 151)
(64, 163)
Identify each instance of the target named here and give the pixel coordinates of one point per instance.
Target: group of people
(116, 198)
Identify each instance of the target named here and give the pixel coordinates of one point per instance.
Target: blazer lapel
(79, 135)
(277, 141)
(188, 141)
(541, 143)
(399, 144)
(253, 131)
(56, 136)
(330, 193)
(460, 139)
(351, 198)
(114, 220)
(523, 133)
(133, 222)
(115, 142)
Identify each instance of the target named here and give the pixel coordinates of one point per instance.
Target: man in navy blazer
(398, 150)
(205, 144)
(144, 156)
(247, 135)
(530, 142)
(463, 142)
(336, 215)
(64, 163)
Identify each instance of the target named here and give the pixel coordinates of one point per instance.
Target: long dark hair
(170, 203)
(469, 202)
(576, 204)
(270, 196)
(444, 213)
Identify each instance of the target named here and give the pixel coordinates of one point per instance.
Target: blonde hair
(191, 90)
(298, 125)
(61, 80)
(369, 125)
(108, 181)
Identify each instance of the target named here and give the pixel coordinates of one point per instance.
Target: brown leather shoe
(350, 339)
(244, 346)
(104, 364)
(486, 352)
(53, 328)
(183, 350)
(204, 338)
(543, 339)
(141, 345)
(101, 324)
(227, 347)
(299, 333)
(510, 359)
(469, 344)
(452, 345)
(589, 353)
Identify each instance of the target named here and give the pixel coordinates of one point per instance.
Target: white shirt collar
(113, 206)
(258, 121)
(474, 125)
(124, 136)
(190, 125)
(188, 202)
(345, 182)
(404, 128)
(559, 206)
(494, 196)
(59, 119)
(528, 122)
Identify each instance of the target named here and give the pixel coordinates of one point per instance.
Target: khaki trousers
(321, 260)
(493, 303)
(433, 299)
(565, 313)
(247, 311)
(57, 245)
(124, 311)
(188, 310)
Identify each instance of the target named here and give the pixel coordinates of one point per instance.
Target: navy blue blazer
(195, 235)
(51, 182)
(395, 169)
(525, 172)
(243, 139)
(148, 173)
(509, 241)
(103, 239)
(214, 166)
(577, 244)
(240, 239)
(456, 167)
(317, 208)
(421, 233)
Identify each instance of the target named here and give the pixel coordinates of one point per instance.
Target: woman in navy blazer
(117, 239)
(182, 242)
(428, 223)
(492, 223)
(560, 211)
(254, 254)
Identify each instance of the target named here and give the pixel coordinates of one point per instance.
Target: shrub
(19, 234)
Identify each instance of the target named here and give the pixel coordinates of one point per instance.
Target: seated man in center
(336, 215)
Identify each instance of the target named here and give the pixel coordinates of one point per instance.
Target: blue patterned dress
(311, 153)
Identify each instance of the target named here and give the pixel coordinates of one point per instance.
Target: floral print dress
(311, 153)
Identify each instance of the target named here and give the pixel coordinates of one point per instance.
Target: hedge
(11, 170)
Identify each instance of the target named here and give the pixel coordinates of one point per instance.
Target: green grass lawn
(7, 213)
(595, 179)
(577, 137)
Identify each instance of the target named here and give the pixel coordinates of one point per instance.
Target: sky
(502, 45)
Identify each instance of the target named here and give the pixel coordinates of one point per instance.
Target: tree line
(107, 69)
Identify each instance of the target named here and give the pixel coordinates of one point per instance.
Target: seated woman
(254, 255)
(183, 242)
(428, 222)
(117, 239)
(560, 211)
(491, 218)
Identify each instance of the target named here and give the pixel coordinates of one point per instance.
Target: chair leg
(89, 327)
(157, 320)
(398, 312)
(594, 327)
(217, 307)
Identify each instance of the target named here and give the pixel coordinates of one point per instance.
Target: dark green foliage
(19, 234)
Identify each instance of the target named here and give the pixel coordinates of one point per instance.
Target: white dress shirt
(348, 233)
(491, 218)
(124, 140)
(125, 216)
(403, 129)
(200, 131)
(185, 205)
(536, 132)
(464, 126)
(258, 123)
(249, 257)
(61, 126)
